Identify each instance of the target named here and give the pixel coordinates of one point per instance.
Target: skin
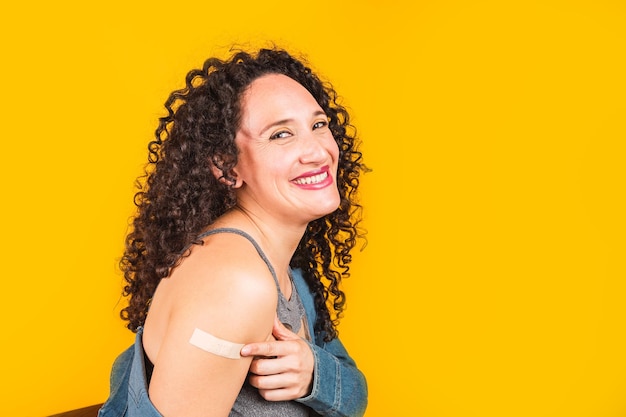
(289, 374)
(223, 287)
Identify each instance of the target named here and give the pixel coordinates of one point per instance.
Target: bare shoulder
(224, 284)
(222, 288)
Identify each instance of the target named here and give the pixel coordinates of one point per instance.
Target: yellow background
(493, 282)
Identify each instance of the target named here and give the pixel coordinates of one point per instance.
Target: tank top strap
(251, 240)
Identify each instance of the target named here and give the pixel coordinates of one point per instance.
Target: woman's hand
(281, 370)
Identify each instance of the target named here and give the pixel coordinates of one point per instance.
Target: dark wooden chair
(91, 411)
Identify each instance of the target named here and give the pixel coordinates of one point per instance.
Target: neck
(279, 239)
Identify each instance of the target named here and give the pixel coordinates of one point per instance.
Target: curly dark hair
(179, 195)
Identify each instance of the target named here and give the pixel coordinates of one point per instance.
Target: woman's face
(287, 162)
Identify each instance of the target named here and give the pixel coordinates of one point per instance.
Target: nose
(313, 149)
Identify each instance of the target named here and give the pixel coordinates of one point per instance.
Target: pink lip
(318, 185)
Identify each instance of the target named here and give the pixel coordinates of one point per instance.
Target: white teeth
(312, 180)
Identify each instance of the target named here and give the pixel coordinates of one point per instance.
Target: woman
(244, 230)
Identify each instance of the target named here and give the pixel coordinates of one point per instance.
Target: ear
(232, 179)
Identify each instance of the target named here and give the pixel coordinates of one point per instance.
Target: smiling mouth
(315, 179)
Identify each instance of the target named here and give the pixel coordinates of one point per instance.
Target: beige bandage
(217, 346)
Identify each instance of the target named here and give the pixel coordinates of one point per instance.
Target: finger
(280, 332)
(284, 364)
(260, 366)
(283, 394)
(287, 393)
(274, 382)
(269, 349)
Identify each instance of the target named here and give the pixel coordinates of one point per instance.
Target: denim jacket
(339, 388)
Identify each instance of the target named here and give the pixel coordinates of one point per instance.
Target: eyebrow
(285, 121)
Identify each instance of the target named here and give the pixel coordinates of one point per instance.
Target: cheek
(334, 151)
(332, 147)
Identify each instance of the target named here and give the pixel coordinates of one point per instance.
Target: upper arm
(233, 304)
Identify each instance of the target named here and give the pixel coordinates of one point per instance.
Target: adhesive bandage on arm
(215, 345)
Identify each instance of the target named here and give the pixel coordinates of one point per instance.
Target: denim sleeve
(116, 404)
(339, 388)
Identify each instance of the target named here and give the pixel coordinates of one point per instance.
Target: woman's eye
(280, 134)
(320, 124)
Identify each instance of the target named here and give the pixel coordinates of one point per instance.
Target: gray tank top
(249, 402)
